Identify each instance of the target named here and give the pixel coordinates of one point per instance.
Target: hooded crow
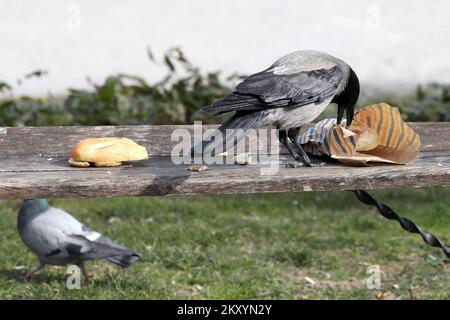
(292, 92)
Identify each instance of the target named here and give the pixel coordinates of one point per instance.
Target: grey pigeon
(57, 238)
(292, 92)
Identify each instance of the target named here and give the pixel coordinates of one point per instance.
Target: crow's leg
(303, 154)
(287, 142)
(33, 271)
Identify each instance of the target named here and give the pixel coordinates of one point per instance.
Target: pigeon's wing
(46, 233)
(62, 237)
(90, 244)
(286, 83)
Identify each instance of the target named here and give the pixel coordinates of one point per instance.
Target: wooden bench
(33, 163)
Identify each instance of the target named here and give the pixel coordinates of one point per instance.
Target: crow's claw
(316, 164)
(295, 164)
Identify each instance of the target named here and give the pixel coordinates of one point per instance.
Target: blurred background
(48, 48)
(389, 44)
(158, 62)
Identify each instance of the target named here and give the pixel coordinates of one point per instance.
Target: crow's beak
(349, 110)
(340, 114)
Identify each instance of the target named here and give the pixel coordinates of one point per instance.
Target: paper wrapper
(377, 134)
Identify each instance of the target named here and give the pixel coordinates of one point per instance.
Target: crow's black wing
(300, 88)
(268, 90)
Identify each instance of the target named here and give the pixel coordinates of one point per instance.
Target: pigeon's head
(34, 205)
(347, 99)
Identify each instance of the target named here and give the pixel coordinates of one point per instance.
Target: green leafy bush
(175, 99)
(122, 99)
(430, 103)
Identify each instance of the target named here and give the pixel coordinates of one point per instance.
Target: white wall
(387, 42)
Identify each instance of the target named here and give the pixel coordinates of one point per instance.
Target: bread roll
(106, 152)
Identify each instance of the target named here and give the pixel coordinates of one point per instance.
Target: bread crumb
(243, 159)
(197, 167)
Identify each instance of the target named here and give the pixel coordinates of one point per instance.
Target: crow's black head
(347, 99)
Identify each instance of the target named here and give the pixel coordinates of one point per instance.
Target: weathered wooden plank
(33, 163)
(158, 176)
(57, 141)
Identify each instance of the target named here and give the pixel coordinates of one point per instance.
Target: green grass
(247, 246)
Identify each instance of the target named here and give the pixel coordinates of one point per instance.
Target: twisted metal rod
(406, 224)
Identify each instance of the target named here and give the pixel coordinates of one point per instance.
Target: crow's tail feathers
(240, 123)
(233, 102)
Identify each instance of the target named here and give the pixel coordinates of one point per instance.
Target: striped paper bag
(377, 134)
